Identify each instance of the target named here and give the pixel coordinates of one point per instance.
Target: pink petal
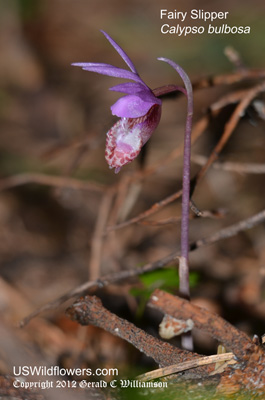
(126, 138)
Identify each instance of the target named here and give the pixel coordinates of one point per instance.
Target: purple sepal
(128, 87)
(109, 70)
(121, 52)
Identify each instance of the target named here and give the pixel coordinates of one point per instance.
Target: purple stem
(184, 285)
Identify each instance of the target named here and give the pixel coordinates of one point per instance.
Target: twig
(48, 180)
(246, 168)
(89, 142)
(97, 240)
(196, 362)
(228, 79)
(100, 283)
(235, 58)
(232, 230)
(204, 320)
(154, 209)
(89, 311)
(126, 195)
(214, 214)
(229, 128)
(230, 98)
(227, 232)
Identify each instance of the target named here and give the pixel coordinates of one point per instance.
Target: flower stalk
(184, 285)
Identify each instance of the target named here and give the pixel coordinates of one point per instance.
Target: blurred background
(53, 121)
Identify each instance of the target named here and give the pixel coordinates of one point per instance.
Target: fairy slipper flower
(139, 110)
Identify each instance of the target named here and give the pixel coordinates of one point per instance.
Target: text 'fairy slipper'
(140, 111)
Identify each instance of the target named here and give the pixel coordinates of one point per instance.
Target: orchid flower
(140, 111)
